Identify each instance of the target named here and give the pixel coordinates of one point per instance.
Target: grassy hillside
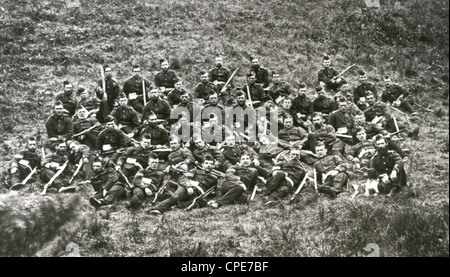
(43, 43)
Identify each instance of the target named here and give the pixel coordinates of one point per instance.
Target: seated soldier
(59, 126)
(257, 94)
(185, 106)
(193, 184)
(289, 135)
(233, 152)
(318, 131)
(285, 176)
(261, 73)
(389, 167)
(180, 157)
(165, 79)
(342, 122)
(90, 103)
(238, 179)
(134, 89)
(110, 142)
(157, 106)
(135, 158)
(327, 76)
(302, 107)
(80, 153)
(112, 90)
(147, 181)
(24, 163)
(279, 89)
(67, 99)
(54, 163)
(108, 189)
(126, 117)
(86, 129)
(323, 104)
(360, 92)
(159, 136)
(331, 171)
(205, 87)
(173, 98)
(202, 148)
(397, 96)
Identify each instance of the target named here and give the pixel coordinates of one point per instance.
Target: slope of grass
(43, 43)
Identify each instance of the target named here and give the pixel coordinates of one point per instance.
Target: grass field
(43, 43)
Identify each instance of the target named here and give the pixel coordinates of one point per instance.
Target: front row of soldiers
(200, 175)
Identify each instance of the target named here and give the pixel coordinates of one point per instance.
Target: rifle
(397, 110)
(299, 188)
(214, 172)
(426, 109)
(87, 130)
(43, 153)
(44, 191)
(161, 190)
(400, 131)
(143, 92)
(130, 186)
(206, 193)
(345, 70)
(80, 164)
(103, 82)
(249, 96)
(343, 136)
(253, 193)
(308, 152)
(395, 123)
(315, 179)
(24, 182)
(224, 88)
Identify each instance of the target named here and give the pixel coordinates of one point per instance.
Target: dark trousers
(59, 182)
(338, 182)
(231, 193)
(179, 195)
(277, 186)
(116, 192)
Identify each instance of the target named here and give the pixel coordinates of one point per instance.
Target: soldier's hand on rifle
(256, 162)
(148, 191)
(333, 173)
(184, 167)
(355, 160)
(190, 191)
(117, 167)
(104, 192)
(85, 160)
(385, 178)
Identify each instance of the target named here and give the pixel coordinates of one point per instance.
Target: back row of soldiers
(127, 140)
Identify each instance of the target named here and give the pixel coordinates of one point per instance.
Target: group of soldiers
(125, 141)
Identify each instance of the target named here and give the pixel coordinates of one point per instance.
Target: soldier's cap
(275, 73)
(386, 77)
(302, 85)
(361, 72)
(318, 88)
(106, 66)
(162, 60)
(122, 95)
(295, 151)
(136, 66)
(326, 58)
(152, 115)
(109, 118)
(250, 74)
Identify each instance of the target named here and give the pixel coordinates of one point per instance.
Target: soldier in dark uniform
(173, 98)
(58, 125)
(157, 106)
(159, 135)
(68, 99)
(397, 96)
(134, 89)
(135, 158)
(279, 88)
(126, 117)
(326, 76)
(112, 92)
(205, 87)
(342, 121)
(106, 184)
(389, 167)
(219, 75)
(52, 164)
(257, 92)
(165, 78)
(323, 104)
(360, 92)
(110, 140)
(23, 163)
(261, 74)
(302, 107)
(331, 171)
(82, 123)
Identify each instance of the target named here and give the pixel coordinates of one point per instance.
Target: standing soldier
(165, 79)
(134, 89)
(24, 163)
(261, 74)
(68, 99)
(326, 76)
(112, 90)
(106, 184)
(302, 107)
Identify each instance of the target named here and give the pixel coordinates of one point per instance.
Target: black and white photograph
(219, 135)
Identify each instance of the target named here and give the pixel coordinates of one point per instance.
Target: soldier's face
(255, 63)
(175, 145)
(200, 143)
(240, 99)
(153, 164)
(276, 78)
(288, 123)
(231, 141)
(381, 144)
(82, 113)
(317, 121)
(321, 151)
(123, 102)
(84, 95)
(59, 110)
(110, 125)
(61, 148)
(154, 94)
(136, 71)
(68, 89)
(145, 143)
(213, 99)
(388, 82)
(361, 136)
(213, 121)
(219, 61)
(165, 65)
(251, 79)
(108, 72)
(208, 165)
(302, 91)
(370, 100)
(97, 167)
(178, 85)
(345, 88)
(326, 63)
(32, 145)
(287, 104)
(294, 155)
(184, 99)
(343, 106)
(362, 78)
(204, 78)
(360, 119)
(246, 161)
